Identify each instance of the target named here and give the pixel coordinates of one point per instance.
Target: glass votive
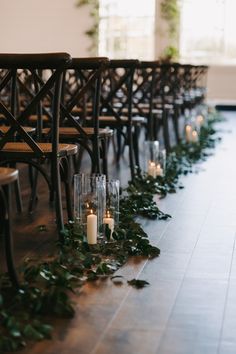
(161, 164)
(188, 133)
(111, 215)
(151, 152)
(88, 205)
(195, 136)
(200, 120)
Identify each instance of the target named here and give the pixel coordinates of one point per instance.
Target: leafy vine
(170, 12)
(92, 32)
(46, 284)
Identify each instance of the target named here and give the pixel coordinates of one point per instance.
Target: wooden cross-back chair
(8, 176)
(116, 107)
(199, 82)
(168, 97)
(143, 95)
(187, 78)
(156, 96)
(79, 121)
(42, 95)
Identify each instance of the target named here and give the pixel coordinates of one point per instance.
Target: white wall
(43, 26)
(221, 84)
(58, 25)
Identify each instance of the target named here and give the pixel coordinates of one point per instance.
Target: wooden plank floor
(189, 307)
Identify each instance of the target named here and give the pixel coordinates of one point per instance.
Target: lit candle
(194, 136)
(188, 133)
(108, 220)
(159, 170)
(199, 120)
(152, 169)
(92, 228)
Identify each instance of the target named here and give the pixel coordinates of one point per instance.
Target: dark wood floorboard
(189, 307)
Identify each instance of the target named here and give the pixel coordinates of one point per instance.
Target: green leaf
(31, 333)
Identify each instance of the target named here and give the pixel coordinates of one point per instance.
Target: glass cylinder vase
(151, 153)
(111, 215)
(89, 204)
(161, 164)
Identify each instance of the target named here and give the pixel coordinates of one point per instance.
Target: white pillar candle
(108, 220)
(199, 120)
(92, 228)
(188, 133)
(159, 170)
(152, 169)
(194, 136)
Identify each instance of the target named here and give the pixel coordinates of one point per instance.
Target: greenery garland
(46, 285)
(92, 32)
(170, 12)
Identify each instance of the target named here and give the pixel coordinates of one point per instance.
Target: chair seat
(34, 118)
(72, 132)
(23, 148)
(110, 120)
(7, 175)
(4, 129)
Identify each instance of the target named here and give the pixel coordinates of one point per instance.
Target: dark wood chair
(156, 96)
(8, 176)
(116, 107)
(44, 72)
(79, 123)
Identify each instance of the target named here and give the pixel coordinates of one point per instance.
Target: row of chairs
(54, 107)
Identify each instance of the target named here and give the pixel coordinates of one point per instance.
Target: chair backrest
(117, 89)
(35, 86)
(81, 92)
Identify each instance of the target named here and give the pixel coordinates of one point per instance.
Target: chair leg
(166, 130)
(104, 144)
(96, 166)
(118, 139)
(19, 205)
(66, 178)
(34, 182)
(5, 198)
(136, 135)
(175, 118)
(131, 151)
(58, 199)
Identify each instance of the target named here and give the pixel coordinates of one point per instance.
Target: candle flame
(91, 211)
(200, 118)
(151, 163)
(188, 128)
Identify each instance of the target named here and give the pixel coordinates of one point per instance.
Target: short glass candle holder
(88, 206)
(199, 122)
(151, 153)
(111, 215)
(161, 164)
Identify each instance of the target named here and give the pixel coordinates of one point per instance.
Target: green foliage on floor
(46, 284)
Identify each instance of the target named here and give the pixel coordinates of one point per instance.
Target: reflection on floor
(190, 305)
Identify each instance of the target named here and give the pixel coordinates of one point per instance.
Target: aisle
(189, 307)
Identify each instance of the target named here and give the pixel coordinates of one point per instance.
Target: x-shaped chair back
(82, 85)
(80, 108)
(117, 89)
(39, 90)
(35, 82)
(116, 104)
